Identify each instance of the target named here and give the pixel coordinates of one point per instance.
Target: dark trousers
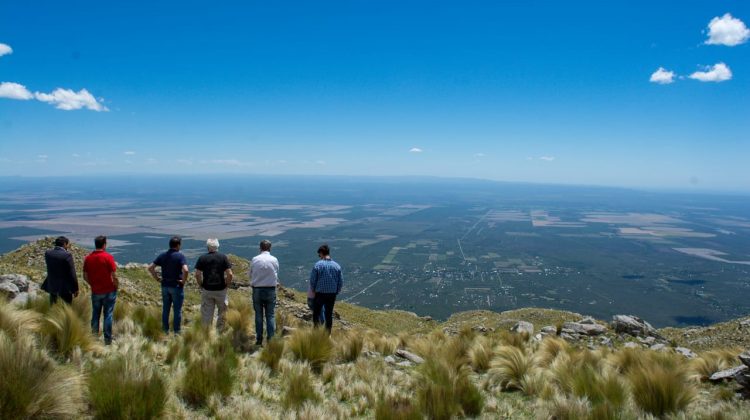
(324, 301)
(66, 297)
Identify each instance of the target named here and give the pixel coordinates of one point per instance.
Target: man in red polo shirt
(99, 272)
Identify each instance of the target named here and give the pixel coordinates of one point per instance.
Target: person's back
(174, 273)
(61, 280)
(213, 272)
(99, 270)
(326, 281)
(264, 277)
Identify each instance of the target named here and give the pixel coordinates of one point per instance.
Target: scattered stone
(658, 347)
(538, 337)
(549, 330)
(523, 327)
(648, 340)
(631, 345)
(409, 356)
(686, 352)
(728, 373)
(427, 318)
(633, 325)
(287, 330)
(745, 358)
(606, 341)
(568, 337)
(583, 328)
(9, 289)
(390, 359)
(405, 363)
(481, 329)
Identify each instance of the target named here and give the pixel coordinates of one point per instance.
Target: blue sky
(516, 91)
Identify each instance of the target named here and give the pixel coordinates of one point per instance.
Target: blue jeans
(311, 305)
(105, 301)
(264, 303)
(171, 296)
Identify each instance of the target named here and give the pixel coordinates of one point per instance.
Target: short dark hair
(265, 245)
(100, 241)
(323, 249)
(175, 241)
(61, 241)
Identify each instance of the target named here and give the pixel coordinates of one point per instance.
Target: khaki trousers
(211, 299)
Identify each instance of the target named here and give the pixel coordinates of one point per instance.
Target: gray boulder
(633, 325)
(584, 327)
(549, 330)
(409, 356)
(523, 327)
(686, 352)
(745, 358)
(728, 373)
(9, 289)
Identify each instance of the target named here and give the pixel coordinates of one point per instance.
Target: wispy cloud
(12, 90)
(415, 150)
(69, 100)
(320, 162)
(662, 76)
(719, 72)
(185, 161)
(152, 161)
(75, 155)
(5, 49)
(128, 153)
(727, 30)
(226, 162)
(479, 155)
(547, 158)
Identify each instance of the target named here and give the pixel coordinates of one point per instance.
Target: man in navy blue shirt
(325, 281)
(174, 273)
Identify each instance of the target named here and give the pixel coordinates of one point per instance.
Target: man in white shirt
(264, 277)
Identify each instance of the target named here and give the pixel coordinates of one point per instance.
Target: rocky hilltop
(524, 363)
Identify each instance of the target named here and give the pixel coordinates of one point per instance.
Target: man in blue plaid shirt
(325, 281)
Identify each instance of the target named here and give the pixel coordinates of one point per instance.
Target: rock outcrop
(17, 288)
(633, 325)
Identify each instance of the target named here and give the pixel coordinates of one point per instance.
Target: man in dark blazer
(61, 278)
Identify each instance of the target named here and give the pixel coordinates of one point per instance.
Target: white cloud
(5, 49)
(320, 162)
(68, 100)
(129, 153)
(547, 158)
(12, 90)
(75, 155)
(719, 72)
(727, 30)
(662, 76)
(529, 158)
(415, 150)
(479, 155)
(42, 156)
(227, 162)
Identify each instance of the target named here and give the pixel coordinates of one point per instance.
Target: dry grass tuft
(272, 353)
(509, 368)
(313, 346)
(351, 347)
(299, 387)
(661, 385)
(710, 362)
(396, 408)
(34, 386)
(17, 321)
(213, 372)
(149, 319)
(124, 387)
(64, 331)
(480, 354)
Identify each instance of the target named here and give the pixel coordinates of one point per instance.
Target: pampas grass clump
(211, 373)
(272, 353)
(34, 386)
(396, 408)
(299, 387)
(351, 347)
(17, 321)
(313, 346)
(509, 367)
(149, 319)
(124, 387)
(64, 331)
(661, 386)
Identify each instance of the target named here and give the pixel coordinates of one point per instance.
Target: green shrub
(124, 388)
(211, 373)
(660, 387)
(272, 353)
(149, 319)
(64, 331)
(34, 386)
(299, 387)
(396, 408)
(312, 345)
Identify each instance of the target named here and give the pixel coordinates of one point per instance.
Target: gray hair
(212, 244)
